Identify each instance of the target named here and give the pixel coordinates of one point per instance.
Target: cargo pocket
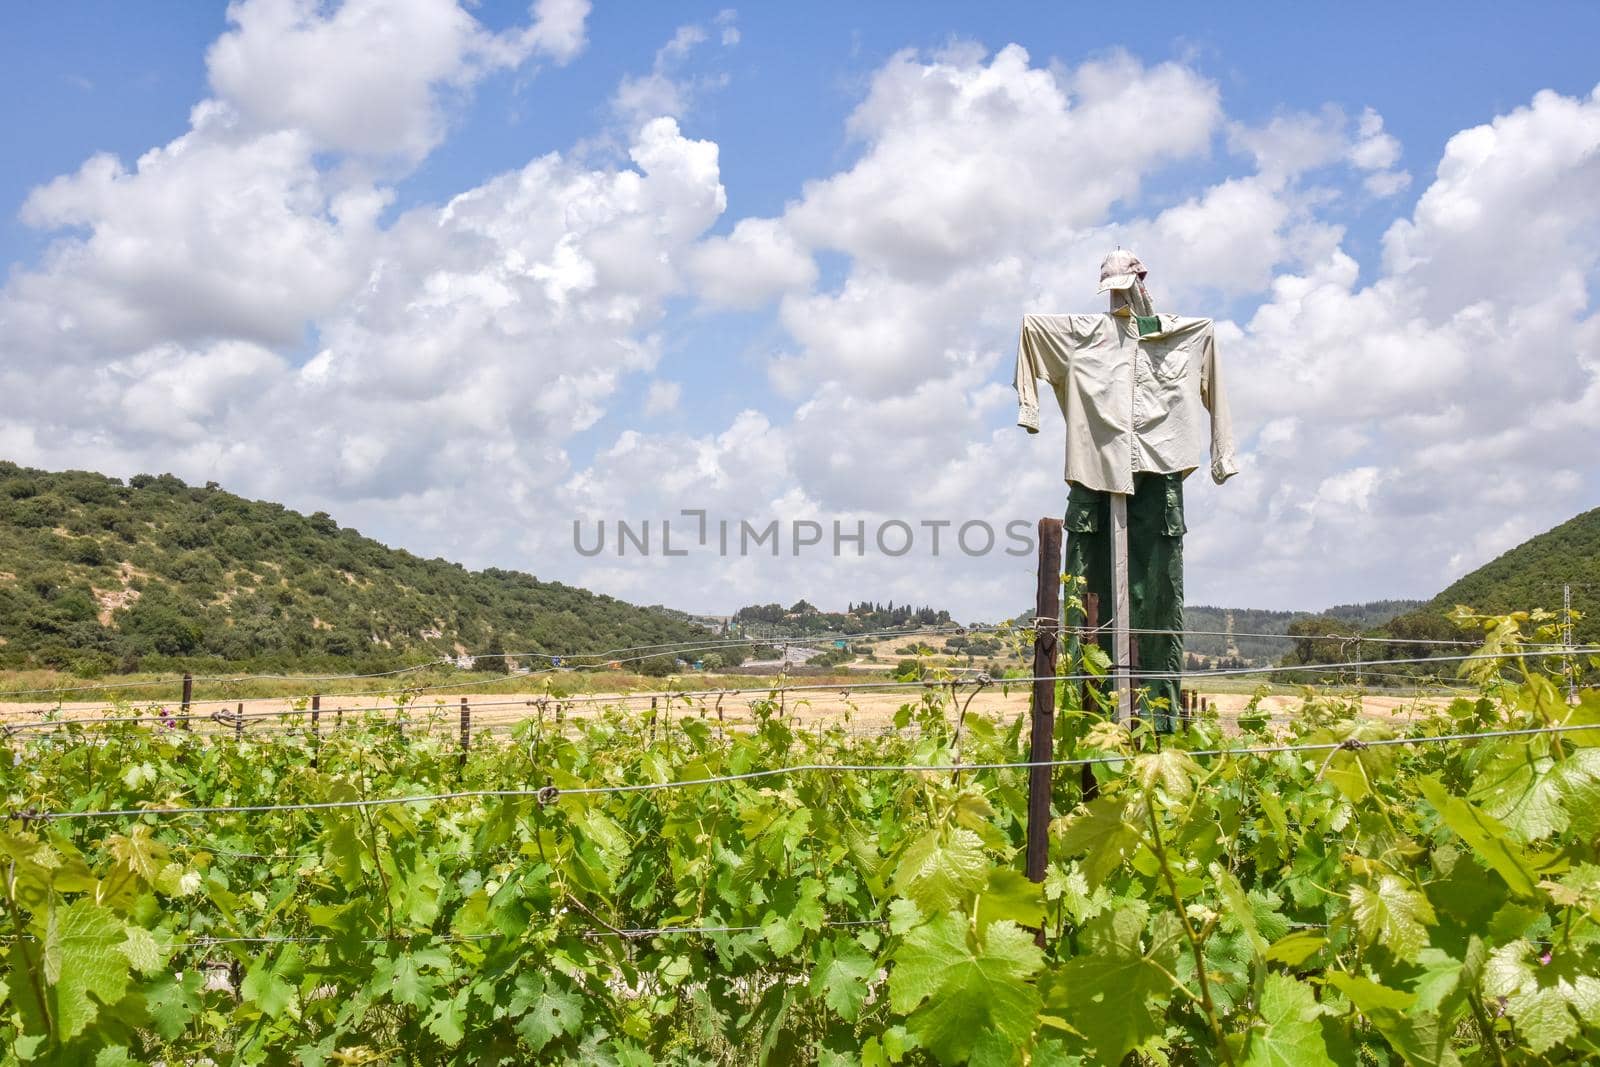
(1083, 510)
(1174, 526)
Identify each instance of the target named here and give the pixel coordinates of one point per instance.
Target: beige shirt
(1132, 403)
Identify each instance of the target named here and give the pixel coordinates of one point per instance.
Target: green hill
(1531, 576)
(1528, 576)
(97, 576)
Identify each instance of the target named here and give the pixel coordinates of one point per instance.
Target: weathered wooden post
(238, 724)
(188, 698)
(466, 733)
(316, 732)
(1041, 743)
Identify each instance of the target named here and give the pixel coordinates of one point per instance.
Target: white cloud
(965, 159)
(1384, 423)
(1398, 420)
(220, 233)
(669, 87)
(558, 28)
(757, 261)
(371, 77)
(1295, 143)
(483, 334)
(662, 397)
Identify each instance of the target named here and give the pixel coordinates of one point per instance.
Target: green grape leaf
(1290, 1031)
(1519, 787)
(1101, 834)
(1368, 996)
(1010, 895)
(1545, 1002)
(172, 1002)
(796, 909)
(408, 984)
(1107, 992)
(1486, 836)
(548, 1012)
(940, 869)
(1577, 888)
(903, 915)
(1354, 771)
(448, 1018)
(955, 994)
(1295, 948)
(83, 964)
(143, 952)
(1171, 770)
(266, 984)
(1392, 915)
(1439, 980)
(1578, 780)
(841, 975)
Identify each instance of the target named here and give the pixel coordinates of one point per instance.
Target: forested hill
(97, 575)
(1531, 576)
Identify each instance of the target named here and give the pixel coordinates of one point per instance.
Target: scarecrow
(1143, 401)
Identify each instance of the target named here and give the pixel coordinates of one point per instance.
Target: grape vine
(1342, 900)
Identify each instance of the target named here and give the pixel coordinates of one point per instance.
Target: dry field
(857, 704)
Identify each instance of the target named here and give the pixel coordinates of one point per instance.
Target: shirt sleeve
(1040, 355)
(1223, 466)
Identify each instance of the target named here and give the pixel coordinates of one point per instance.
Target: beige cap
(1120, 270)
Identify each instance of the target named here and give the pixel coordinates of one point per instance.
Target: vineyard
(638, 888)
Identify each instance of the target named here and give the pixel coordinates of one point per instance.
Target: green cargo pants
(1155, 578)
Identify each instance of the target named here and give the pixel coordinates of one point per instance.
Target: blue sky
(1319, 133)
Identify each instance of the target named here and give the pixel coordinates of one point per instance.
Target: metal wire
(691, 645)
(547, 794)
(621, 698)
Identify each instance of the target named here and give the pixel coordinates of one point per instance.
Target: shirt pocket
(1169, 366)
(1172, 518)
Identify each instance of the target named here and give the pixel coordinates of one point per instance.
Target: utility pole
(1566, 642)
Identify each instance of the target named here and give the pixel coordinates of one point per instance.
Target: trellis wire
(547, 794)
(621, 698)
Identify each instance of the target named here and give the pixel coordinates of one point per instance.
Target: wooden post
(238, 724)
(316, 732)
(1121, 608)
(1091, 625)
(1041, 743)
(466, 732)
(188, 698)
(652, 718)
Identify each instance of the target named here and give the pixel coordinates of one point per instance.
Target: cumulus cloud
(757, 261)
(670, 87)
(371, 77)
(461, 346)
(220, 233)
(662, 397)
(1386, 423)
(238, 305)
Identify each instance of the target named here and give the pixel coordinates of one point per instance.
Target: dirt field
(858, 704)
